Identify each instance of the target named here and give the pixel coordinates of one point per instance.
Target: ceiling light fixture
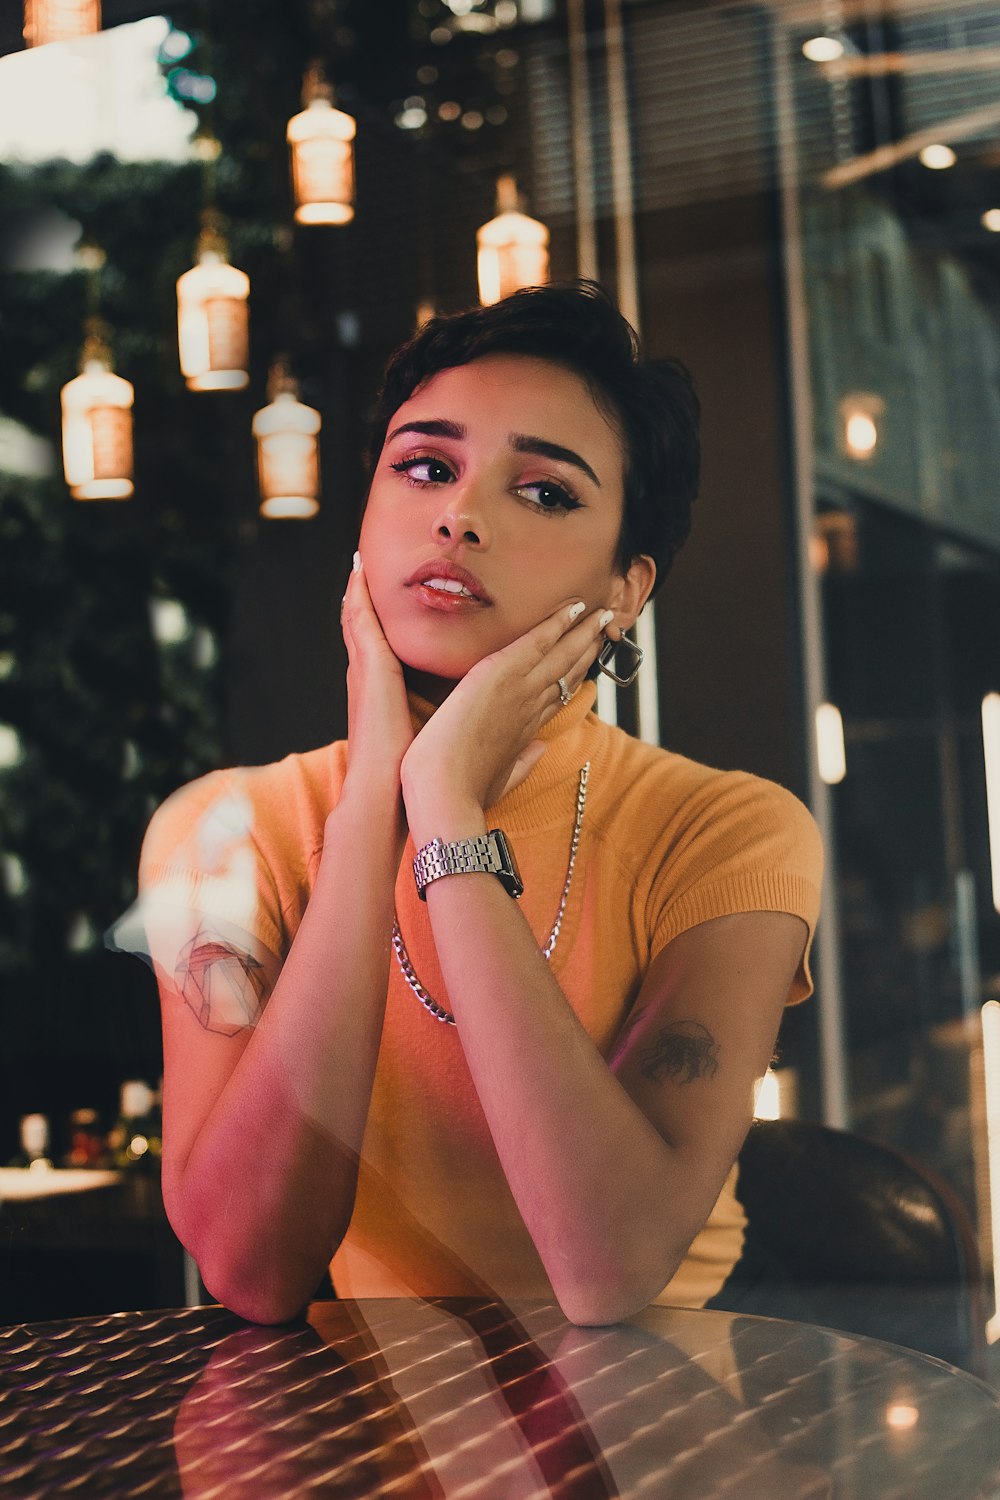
(938, 157)
(823, 49)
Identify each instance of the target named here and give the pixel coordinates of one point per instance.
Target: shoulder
(283, 803)
(654, 799)
(232, 849)
(696, 842)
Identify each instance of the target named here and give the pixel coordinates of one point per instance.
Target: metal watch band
(487, 853)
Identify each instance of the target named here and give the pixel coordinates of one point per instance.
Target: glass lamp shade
(97, 434)
(513, 252)
(60, 20)
(860, 429)
(322, 142)
(287, 458)
(213, 326)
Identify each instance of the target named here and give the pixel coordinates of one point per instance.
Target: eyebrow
(437, 428)
(521, 442)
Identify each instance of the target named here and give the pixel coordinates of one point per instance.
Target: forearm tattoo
(680, 1053)
(223, 985)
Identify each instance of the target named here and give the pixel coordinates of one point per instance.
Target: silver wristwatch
(488, 852)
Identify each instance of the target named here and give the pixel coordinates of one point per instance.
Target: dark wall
(727, 620)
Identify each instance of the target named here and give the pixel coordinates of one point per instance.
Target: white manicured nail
(576, 610)
(357, 562)
(606, 618)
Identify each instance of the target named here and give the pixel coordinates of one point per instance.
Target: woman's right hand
(380, 730)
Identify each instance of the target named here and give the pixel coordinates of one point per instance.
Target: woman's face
(497, 498)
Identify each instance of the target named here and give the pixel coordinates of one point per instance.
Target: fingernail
(357, 562)
(576, 610)
(605, 619)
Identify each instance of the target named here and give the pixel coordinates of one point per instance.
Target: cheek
(374, 544)
(596, 578)
(369, 525)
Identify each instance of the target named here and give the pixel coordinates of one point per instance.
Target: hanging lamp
(212, 318)
(60, 20)
(287, 451)
(322, 142)
(426, 310)
(860, 424)
(97, 426)
(513, 249)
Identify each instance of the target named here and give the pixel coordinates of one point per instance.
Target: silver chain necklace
(399, 947)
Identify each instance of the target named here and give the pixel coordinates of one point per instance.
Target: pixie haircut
(653, 405)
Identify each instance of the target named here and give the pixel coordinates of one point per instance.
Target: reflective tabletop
(453, 1399)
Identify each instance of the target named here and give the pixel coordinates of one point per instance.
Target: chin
(433, 659)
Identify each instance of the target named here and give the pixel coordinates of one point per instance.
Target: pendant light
(426, 310)
(212, 318)
(287, 451)
(860, 425)
(60, 20)
(97, 426)
(513, 249)
(322, 143)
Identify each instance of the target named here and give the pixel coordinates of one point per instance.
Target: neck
(432, 689)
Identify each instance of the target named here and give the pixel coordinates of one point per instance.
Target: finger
(357, 612)
(345, 619)
(550, 650)
(541, 639)
(571, 656)
(577, 674)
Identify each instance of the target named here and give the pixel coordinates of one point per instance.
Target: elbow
(256, 1304)
(255, 1289)
(611, 1288)
(593, 1314)
(597, 1301)
(599, 1307)
(262, 1284)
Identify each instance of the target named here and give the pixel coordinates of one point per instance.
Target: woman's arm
(614, 1167)
(263, 1126)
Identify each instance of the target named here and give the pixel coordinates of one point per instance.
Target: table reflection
(467, 1398)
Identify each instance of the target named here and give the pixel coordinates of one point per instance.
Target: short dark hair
(653, 403)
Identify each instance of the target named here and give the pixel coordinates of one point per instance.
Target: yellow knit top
(666, 843)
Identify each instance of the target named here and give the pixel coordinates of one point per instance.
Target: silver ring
(564, 693)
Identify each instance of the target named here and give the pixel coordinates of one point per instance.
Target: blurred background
(800, 199)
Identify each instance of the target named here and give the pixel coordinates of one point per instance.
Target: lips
(447, 579)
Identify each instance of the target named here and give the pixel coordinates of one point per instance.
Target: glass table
(421, 1399)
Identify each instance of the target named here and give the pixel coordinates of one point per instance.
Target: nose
(461, 519)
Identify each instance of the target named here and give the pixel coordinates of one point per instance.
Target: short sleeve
(203, 886)
(745, 844)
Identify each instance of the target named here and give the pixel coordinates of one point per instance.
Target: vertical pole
(192, 1283)
(832, 1036)
(626, 262)
(583, 157)
(587, 261)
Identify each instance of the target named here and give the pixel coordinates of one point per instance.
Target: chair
(855, 1235)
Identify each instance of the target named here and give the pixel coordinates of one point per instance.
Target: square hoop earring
(607, 656)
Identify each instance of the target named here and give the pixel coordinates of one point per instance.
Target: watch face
(508, 873)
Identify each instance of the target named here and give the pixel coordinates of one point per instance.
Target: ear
(632, 590)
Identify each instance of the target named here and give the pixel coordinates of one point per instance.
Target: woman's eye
(423, 470)
(548, 496)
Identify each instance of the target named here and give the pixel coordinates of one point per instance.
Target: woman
(401, 1080)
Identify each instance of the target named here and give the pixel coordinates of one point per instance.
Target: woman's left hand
(482, 741)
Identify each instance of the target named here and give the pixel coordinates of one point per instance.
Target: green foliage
(109, 720)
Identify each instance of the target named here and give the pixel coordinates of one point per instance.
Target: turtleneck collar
(541, 797)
